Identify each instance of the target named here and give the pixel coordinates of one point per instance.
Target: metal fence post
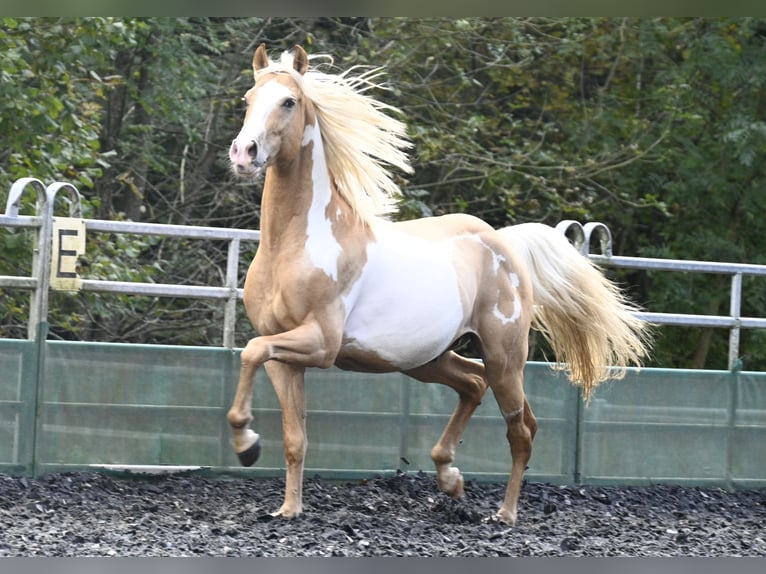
(404, 423)
(41, 269)
(230, 309)
(731, 423)
(735, 310)
(41, 254)
(735, 367)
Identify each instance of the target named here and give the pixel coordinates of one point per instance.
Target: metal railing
(43, 221)
(582, 236)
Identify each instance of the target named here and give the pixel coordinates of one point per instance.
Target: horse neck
(299, 197)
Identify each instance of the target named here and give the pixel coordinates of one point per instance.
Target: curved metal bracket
(18, 188)
(602, 233)
(581, 236)
(74, 200)
(574, 232)
(46, 197)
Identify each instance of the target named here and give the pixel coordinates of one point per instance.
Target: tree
(652, 126)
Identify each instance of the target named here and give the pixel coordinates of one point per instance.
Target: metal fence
(586, 237)
(67, 405)
(48, 227)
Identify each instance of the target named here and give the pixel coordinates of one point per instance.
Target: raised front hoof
(248, 456)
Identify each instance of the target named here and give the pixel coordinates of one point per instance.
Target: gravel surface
(94, 514)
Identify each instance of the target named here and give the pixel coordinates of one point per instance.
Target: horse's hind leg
(507, 386)
(467, 378)
(529, 419)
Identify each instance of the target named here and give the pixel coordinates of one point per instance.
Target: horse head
(276, 117)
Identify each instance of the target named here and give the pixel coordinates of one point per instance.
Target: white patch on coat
(308, 135)
(406, 305)
(513, 414)
(496, 312)
(497, 259)
(322, 248)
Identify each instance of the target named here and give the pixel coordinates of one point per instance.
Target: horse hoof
(504, 517)
(248, 456)
(288, 512)
(450, 481)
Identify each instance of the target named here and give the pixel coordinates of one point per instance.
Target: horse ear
(300, 60)
(260, 58)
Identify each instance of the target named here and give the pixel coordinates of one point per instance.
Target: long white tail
(588, 322)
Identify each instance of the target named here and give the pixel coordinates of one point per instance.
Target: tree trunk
(706, 337)
(110, 134)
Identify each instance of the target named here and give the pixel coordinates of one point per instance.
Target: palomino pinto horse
(335, 283)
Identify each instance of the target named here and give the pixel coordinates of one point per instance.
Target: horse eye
(288, 103)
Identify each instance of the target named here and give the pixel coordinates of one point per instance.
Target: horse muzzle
(248, 158)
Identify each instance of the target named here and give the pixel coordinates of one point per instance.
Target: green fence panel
(386, 422)
(137, 405)
(668, 426)
(354, 420)
(18, 386)
(134, 405)
(556, 404)
(748, 439)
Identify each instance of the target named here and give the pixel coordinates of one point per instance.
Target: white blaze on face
(322, 247)
(268, 97)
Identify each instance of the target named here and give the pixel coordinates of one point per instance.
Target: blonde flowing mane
(361, 140)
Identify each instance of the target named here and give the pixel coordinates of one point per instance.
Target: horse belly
(405, 310)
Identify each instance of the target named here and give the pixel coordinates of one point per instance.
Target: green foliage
(656, 127)
(46, 131)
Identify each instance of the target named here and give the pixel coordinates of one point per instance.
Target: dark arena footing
(95, 514)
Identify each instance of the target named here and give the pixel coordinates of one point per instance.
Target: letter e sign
(68, 246)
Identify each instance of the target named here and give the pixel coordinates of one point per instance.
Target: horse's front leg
(289, 385)
(288, 354)
(246, 442)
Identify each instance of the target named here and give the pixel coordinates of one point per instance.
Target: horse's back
(443, 226)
